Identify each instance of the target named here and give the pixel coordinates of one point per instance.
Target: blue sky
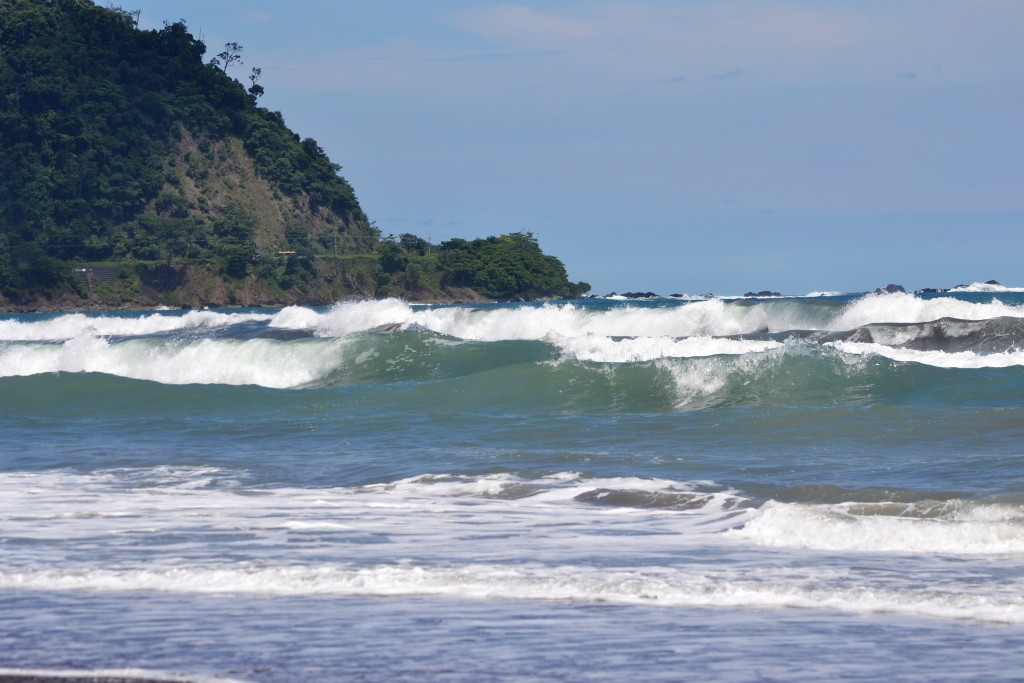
(680, 147)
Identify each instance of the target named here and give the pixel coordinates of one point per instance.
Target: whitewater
(729, 488)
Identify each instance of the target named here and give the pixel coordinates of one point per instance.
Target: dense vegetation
(123, 149)
(511, 266)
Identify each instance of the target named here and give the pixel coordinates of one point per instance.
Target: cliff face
(134, 173)
(243, 240)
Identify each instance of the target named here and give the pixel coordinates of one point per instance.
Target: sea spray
(263, 362)
(70, 326)
(950, 527)
(909, 308)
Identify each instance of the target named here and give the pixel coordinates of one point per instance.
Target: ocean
(802, 488)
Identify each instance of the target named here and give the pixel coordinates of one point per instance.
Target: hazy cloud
(789, 40)
(618, 44)
(524, 25)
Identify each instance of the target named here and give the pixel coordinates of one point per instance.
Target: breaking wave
(698, 344)
(949, 527)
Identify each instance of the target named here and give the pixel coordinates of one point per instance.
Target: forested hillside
(136, 169)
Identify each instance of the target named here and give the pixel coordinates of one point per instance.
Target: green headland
(138, 170)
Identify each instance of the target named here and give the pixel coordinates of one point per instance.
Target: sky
(681, 147)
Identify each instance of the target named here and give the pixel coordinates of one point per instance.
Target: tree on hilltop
(232, 53)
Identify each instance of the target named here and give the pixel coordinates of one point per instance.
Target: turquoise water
(793, 488)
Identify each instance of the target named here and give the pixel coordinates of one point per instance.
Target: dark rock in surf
(891, 289)
(763, 292)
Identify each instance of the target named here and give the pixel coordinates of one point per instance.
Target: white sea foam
(902, 307)
(698, 318)
(488, 518)
(560, 486)
(711, 317)
(663, 586)
(314, 526)
(703, 318)
(939, 359)
(591, 335)
(631, 350)
(986, 287)
(77, 325)
(295, 318)
(963, 529)
(62, 505)
(498, 536)
(263, 362)
(358, 316)
(898, 335)
(627, 334)
(698, 379)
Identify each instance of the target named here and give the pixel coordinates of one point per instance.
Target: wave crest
(954, 527)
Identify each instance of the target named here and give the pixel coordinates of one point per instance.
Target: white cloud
(790, 41)
(613, 44)
(641, 37)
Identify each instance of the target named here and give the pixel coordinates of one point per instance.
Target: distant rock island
(961, 287)
(633, 295)
(135, 172)
(891, 289)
